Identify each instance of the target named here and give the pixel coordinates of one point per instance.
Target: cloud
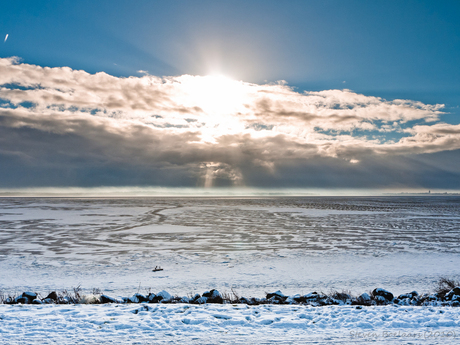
(6, 37)
(204, 130)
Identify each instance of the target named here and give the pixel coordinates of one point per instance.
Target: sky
(243, 94)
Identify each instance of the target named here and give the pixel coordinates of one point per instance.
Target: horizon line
(151, 191)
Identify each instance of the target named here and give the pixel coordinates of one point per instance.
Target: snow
(250, 246)
(176, 323)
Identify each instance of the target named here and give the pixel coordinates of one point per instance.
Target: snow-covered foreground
(209, 324)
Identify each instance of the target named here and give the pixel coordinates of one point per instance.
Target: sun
(218, 94)
(221, 102)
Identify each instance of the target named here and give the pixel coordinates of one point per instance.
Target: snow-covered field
(233, 324)
(297, 245)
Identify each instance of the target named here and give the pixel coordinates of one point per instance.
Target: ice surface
(250, 244)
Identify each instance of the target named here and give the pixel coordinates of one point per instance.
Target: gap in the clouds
(382, 136)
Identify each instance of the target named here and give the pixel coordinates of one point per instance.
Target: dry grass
(444, 285)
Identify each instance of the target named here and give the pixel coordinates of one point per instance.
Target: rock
(403, 301)
(276, 294)
(365, 297)
(48, 301)
(276, 297)
(410, 295)
(107, 299)
(132, 299)
(30, 296)
(201, 300)
(185, 299)
(380, 299)
(387, 295)
(52, 295)
(244, 300)
(36, 301)
(312, 295)
(300, 299)
(290, 300)
(21, 300)
(141, 298)
(454, 292)
(213, 296)
(164, 295)
(194, 298)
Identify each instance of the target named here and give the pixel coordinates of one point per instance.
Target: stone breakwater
(378, 296)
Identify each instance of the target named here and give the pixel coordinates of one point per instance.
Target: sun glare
(217, 94)
(220, 98)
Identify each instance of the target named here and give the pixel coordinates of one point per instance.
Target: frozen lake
(252, 245)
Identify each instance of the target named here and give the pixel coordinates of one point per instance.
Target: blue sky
(387, 49)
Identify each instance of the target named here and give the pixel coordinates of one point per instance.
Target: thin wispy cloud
(6, 37)
(205, 129)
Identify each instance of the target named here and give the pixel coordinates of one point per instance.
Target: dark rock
(276, 297)
(380, 300)
(197, 296)
(141, 298)
(48, 301)
(201, 300)
(52, 295)
(213, 296)
(341, 296)
(454, 292)
(387, 295)
(156, 299)
(312, 296)
(244, 300)
(254, 301)
(218, 300)
(300, 299)
(30, 296)
(151, 296)
(409, 295)
(165, 296)
(132, 299)
(278, 294)
(37, 301)
(107, 299)
(21, 300)
(364, 299)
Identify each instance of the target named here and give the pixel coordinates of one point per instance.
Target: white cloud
(217, 125)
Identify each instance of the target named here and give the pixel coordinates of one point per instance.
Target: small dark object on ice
(157, 268)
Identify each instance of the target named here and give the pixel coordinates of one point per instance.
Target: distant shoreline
(421, 194)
